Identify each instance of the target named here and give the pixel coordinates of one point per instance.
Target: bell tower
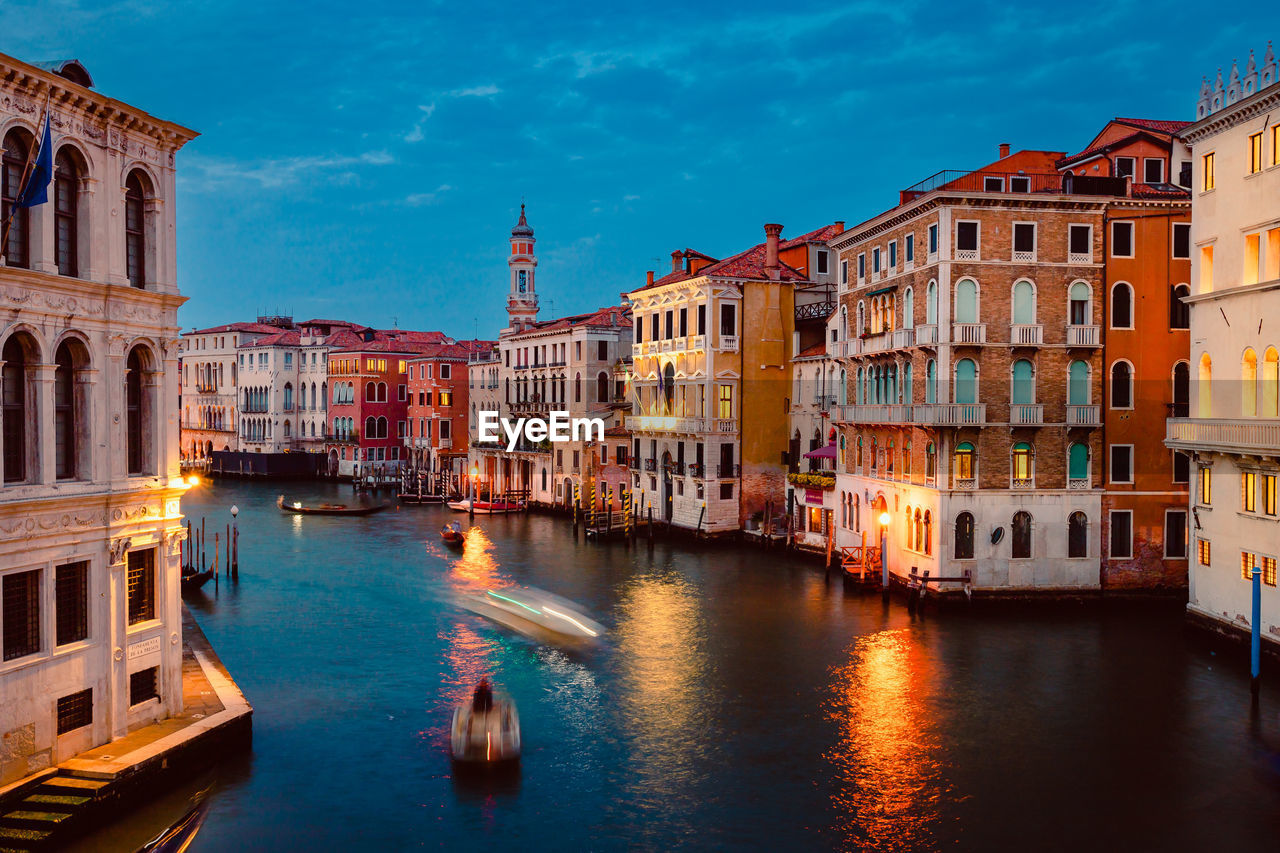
(522, 300)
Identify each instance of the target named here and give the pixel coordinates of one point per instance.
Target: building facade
(1232, 433)
(440, 385)
(90, 520)
(711, 373)
(210, 403)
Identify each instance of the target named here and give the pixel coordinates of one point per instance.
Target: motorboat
(328, 509)
(486, 730)
(452, 534)
(486, 507)
(537, 614)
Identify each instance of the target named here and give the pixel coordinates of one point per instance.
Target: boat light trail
(568, 618)
(512, 600)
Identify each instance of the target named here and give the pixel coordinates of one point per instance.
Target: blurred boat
(486, 731)
(179, 836)
(536, 614)
(328, 509)
(452, 534)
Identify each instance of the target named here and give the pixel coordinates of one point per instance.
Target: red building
(438, 407)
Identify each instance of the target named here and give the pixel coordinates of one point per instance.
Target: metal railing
(725, 471)
(815, 311)
(1014, 183)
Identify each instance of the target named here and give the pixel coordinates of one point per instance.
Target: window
(1206, 486)
(844, 272)
(702, 319)
(966, 385)
(862, 267)
(1175, 534)
(992, 184)
(67, 409)
(1122, 239)
(1248, 491)
(725, 410)
(1121, 463)
(21, 614)
(135, 240)
(142, 585)
(728, 320)
(14, 166)
(1024, 387)
(967, 301)
(66, 198)
(1078, 535)
(1203, 553)
(75, 711)
(1080, 240)
(71, 602)
(893, 255)
(875, 261)
(1182, 240)
(909, 249)
(143, 685)
(1181, 467)
(964, 536)
(1179, 311)
(444, 399)
(967, 238)
(18, 418)
(822, 262)
(1024, 241)
(137, 415)
(1121, 385)
(964, 458)
(1255, 153)
(1153, 170)
(1269, 571)
(1021, 530)
(402, 393)
(1019, 184)
(1024, 303)
(1184, 174)
(1125, 167)
(1121, 546)
(669, 324)
(1021, 462)
(1078, 462)
(1269, 494)
(1207, 162)
(1248, 562)
(933, 239)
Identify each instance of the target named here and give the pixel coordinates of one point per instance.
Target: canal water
(742, 701)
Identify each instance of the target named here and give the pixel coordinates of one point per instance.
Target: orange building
(1147, 269)
(439, 404)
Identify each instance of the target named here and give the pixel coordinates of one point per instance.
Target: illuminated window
(1269, 494)
(1269, 571)
(1275, 145)
(1206, 487)
(1247, 563)
(1248, 491)
(1202, 551)
(1208, 171)
(964, 460)
(1022, 461)
(404, 366)
(726, 402)
(1255, 153)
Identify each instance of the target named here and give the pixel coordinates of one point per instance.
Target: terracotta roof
(260, 328)
(1159, 191)
(820, 235)
(1158, 125)
(599, 317)
(750, 264)
(617, 431)
(279, 339)
(816, 349)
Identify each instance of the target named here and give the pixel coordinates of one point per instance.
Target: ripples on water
(742, 700)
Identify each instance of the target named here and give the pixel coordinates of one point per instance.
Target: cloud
(476, 92)
(415, 134)
(423, 199)
(207, 174)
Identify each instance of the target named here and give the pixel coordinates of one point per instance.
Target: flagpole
(32, 155)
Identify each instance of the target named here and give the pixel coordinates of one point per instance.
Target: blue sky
(366, 161)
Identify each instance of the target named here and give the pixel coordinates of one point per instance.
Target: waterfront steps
(47, 810)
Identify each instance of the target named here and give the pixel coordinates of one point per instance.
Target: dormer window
(1125, 167)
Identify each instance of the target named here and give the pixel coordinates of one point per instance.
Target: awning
(828, 452)
(888, 289)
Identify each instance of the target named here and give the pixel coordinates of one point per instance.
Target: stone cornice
(31, 290)
(1258, 104)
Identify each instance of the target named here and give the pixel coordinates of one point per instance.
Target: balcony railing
(966, 483)
(815, 311)
(969, 333)
(1083, 416)
(729, 343)
(726, 471)
(1026, 414)
(697, 471)
(927, 335)
(1079, 257)
(651, 464)
(1245, 435)
(1014, 183)
(698, 342)
(939, 414)
(1026, 335)
(1078, 484)
(1022, 483)
(1083, 336)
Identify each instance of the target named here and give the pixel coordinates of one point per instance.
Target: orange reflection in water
(889, 778)
(475, 569)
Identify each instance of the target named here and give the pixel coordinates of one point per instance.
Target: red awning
(828, 452)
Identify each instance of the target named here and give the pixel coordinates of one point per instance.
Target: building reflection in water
(889, 780)
(665, 704)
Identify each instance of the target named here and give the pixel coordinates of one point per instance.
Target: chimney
(839, 226)
(676, 257)
(649, 278)
(1004, 150)
(771, 233)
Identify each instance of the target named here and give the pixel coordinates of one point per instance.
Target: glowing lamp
(193, 480)
(884, 519)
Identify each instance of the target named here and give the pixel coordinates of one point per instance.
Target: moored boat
(486, 507)
(328, 509)
(193, 579)
(485, 732)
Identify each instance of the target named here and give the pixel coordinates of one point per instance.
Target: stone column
(89, 255)
(88, 430)
(117, 698)
(45, 461)
(43, 254)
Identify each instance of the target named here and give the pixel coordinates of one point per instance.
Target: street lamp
(884, 553)
(471, 501)
(235, 543)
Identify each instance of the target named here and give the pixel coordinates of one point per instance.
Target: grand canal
(742, 701)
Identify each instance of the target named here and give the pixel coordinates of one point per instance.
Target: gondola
(328, 509)
(179, 836)
(193, 579)
(452, 534)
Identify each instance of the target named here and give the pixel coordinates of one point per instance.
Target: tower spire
(522, 300)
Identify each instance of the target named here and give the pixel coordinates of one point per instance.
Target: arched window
(382, 427)
(1181, 389)
(964, 536)
(966, 381)
(906, 385)
(66, 203)
(1024, 386)
(1249, 384)
(928, 533)
(139, 408)
(963, 462)
(577, 387)
(1021, 462)
(931, 382)
(1024, 303)
(1078, 384)
(1270, 391)
(1078, 311)
(371, 427)
(931, 303)
(382, 392)
(909, 525)
(909, 309)
(841, 451)
(370, 393)
(1121, 385)
(1179, 311)
(288, 396)
(71, 444)
(302, 396)
(135, 237)
(967, 301)
(857, 514)
(17, 148)
(862, 319)
(287, 429)
(844, 387)
(1122, 306)
(859, 453)
(1078, 463)
(1021, 538)
(20, 421)
(1078, 535)
(930, 462)
(602, 387)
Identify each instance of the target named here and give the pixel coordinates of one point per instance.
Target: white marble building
(90, 520)
(1233, 435)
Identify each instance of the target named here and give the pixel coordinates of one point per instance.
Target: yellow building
(713, 345)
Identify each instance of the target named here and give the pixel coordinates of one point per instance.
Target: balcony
(560, 363)
(1014, 183)
(521, 367)
(660, 423)
(1086, 416)
(885, 341)
(724, 425)
(1079, 257)
(874, 413)
(698, 342)
(1026, 414)
(697, 471)
(967, 484)
(1024, 257)
(729, 343)
(1026, 335)
(445, 444)
(950, 414)
(815, 311)
(727, 471)
(969, 333)
(1083, 336)
(1078, 484)
(1251, 436)
(680, 343)
(1022, 483)
(927, 335)
(665, 345)
(651, 464)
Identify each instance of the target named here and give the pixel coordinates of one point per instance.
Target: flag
(36, 189)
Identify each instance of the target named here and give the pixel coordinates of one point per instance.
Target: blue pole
(1255, 638)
